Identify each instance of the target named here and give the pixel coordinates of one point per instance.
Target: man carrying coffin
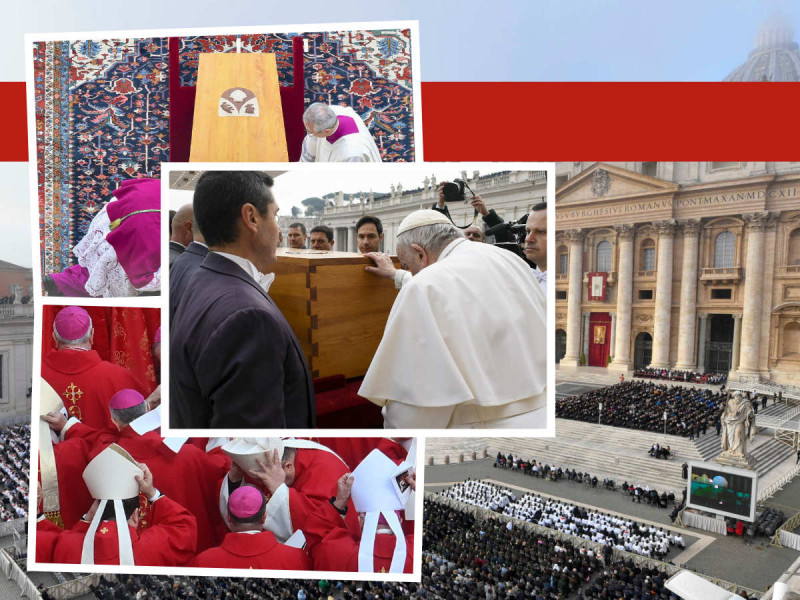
(459, 375)
(248, 545)
(82, 379)
(336, 134)
(300, 478)
(109, 534)
(235, 361)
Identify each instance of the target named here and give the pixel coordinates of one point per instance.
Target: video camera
(517, 232)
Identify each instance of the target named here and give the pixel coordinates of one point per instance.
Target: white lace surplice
(107, 278)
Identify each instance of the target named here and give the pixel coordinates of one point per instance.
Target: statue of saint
(738, 425)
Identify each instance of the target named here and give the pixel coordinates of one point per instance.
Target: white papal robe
(351, 142)
(464, 345)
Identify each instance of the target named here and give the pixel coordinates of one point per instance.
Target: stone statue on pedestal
(17, 293)
(738, 426)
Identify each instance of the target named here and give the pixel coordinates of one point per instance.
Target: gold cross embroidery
(73, 393)
(104, 530)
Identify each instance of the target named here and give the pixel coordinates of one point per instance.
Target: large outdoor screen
(722, 490)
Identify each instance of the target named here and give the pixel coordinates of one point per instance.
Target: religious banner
(599, 334)
(597, 286)
(599, 340)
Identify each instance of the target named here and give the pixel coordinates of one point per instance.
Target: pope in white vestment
(464, 345)
(349, 139)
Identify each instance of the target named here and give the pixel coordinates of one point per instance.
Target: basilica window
(794, 248)
(563, 260)
(724, 251)
(603, 257)
(723, 165)
(648, 255)
(650, 169)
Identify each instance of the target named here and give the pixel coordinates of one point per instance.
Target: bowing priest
(248, 545)
(109, 534)
(84, 381)
(185, 473)
(336, 134)
(463, 376)
(299, 478)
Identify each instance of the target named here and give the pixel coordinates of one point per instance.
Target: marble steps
(600, 462)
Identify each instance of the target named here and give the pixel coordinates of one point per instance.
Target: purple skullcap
(125, 399)
(72, 323)
(157, 339)
(245, 502)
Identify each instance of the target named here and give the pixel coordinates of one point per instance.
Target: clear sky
(466, 40)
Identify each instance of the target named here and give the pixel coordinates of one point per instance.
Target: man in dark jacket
(235, 361)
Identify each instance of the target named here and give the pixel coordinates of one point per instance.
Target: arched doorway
(642, 350)
(719, 347)
(561, 344)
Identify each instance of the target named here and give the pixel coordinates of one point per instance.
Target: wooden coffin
(337, 310)
(238, 116)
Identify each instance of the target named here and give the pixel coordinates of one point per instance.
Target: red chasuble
(317, 472)
(86, 383)
(189, 477)
(46, 535)
(354, 450)
(253, 551)
(338, 551)
(169, 541)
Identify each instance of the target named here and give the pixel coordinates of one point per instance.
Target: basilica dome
(775, 57)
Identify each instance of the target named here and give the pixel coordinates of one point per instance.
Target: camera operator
(490, 217)
(536, 242)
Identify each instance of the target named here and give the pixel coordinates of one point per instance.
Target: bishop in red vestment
(84, 381)
(248, 546)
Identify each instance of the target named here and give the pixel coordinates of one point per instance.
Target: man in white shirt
(536, 242)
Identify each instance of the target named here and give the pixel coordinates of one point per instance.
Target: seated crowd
(556, 473)
(481, 493)
(685, 376)
(618, 532)
(151, 587)
(642, 404)
(14, 461)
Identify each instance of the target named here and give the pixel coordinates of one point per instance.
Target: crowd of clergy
(642, 405)
(14, 458)
(261, 503)
(615, 531)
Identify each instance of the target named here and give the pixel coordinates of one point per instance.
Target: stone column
(612, 333)
(586, 319)
(574, 298)
(753, 277)
(622, 338)
(701, 343)
(686, 327)
(352, 239)
(737, 341)
(663, 307)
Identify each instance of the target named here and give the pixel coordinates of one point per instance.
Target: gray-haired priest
(464, 345)
(336, 134)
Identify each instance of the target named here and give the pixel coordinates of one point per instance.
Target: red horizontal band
(571, 121)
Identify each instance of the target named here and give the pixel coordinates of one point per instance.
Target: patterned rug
(102, 110)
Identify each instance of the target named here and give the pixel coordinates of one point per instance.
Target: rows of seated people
(685, 376)
(151, 587)
(616, 531)
(14, 465)
(477, 558)
(642, 404)
(553, 472)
